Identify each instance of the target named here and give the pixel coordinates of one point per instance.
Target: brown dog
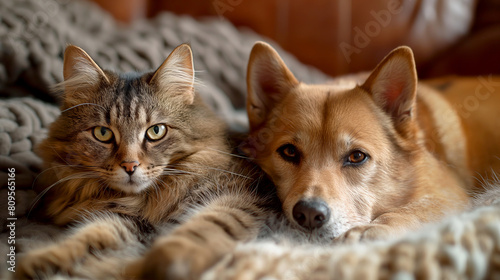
(374, 160)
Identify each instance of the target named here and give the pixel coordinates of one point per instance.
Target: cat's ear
(268, 80)
(81, 74)
(80, 68)
(393, 86)
(175, 77)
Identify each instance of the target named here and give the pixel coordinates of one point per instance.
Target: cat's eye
(103, 134)
(289, 153)
(156, 132)
(356, 158)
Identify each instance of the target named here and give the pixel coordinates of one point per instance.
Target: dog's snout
(311, 214)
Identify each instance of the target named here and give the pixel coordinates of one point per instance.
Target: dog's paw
(45, 261)
(173, 259)
(364, 233)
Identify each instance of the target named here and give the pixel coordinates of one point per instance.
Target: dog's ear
(393, 85)
(268, 80)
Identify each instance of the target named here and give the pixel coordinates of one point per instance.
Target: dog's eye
(289, 153)
(356, 158)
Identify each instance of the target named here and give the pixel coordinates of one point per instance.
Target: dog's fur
(421, 153)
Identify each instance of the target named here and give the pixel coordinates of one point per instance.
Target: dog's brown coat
(423, 155)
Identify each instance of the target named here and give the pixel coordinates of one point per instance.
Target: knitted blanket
(465, 246)
(33, 36)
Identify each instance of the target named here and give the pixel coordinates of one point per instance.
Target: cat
(133, 155)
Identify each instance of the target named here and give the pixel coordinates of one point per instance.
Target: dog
(356, 161)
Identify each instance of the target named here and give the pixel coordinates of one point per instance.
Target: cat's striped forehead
(129, 104)
(128, 99)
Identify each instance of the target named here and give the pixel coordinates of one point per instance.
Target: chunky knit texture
(465, 246)
(33, 35)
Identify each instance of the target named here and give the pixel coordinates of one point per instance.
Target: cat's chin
(131, 187)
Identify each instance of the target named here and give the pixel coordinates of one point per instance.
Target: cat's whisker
(82, 104)
(87, 175)
(104, 182)
(229, 154)
(169, 173)
(157, 189)
(159, 186)
(125, 197)
(68, 164)
(153, 190)
(218, 169)
(58, 155)
(49, 169)
(174, 171)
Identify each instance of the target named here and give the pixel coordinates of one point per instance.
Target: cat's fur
(127, 188)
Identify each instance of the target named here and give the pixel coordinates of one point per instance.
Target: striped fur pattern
(137, 161)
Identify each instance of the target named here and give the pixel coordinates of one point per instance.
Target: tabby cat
(132, 153)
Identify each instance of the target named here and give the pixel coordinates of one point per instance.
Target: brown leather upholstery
(346, 36)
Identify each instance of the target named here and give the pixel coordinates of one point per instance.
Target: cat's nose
(129, 166)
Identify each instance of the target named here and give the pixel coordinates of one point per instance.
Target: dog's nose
(129, 166)
(311, 214)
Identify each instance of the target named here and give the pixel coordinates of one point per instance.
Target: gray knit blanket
(33, 36)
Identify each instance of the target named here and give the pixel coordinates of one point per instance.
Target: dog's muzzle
(311, 214)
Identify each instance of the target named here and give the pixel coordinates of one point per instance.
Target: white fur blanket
(33, 35)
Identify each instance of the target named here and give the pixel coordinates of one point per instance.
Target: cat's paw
(61, 257)
(45, 261)
(364, 233)
(173, 259)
